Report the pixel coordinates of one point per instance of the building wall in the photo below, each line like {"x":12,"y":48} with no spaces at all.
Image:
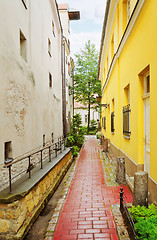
{"x":84,"y":112}
{"x":134,"y":52}
{"x":68,"y":68}
{"x":29,"y":107}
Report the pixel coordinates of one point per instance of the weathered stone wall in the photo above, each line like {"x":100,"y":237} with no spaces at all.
{"x":16,"y":217}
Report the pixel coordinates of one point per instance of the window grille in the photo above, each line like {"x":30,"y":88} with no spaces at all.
{"x":112,"y":122}
{"x":104,"y":123}
{"x":126,"y":120}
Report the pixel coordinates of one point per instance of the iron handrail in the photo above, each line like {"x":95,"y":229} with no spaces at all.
{"x":124,"y":208}
{"x":55,"y":146}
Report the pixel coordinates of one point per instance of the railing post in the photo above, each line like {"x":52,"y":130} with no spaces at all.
{"x":61,"y":144}
{"x":56,"y":149}
{"x":64,"y":142}
{"x":49,"y":154}
{"x":10,"y":188}
{"x":29,"y":166}
{"x":121,"y":197}
{"x":41,"y":160}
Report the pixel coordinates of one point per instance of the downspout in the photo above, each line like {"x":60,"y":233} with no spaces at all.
{"x":63,"y":76}
{"x":63,"y":88}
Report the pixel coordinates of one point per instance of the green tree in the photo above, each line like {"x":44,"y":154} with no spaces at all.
{"x":86,"y":84}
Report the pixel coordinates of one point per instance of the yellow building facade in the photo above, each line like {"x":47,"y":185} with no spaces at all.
{"x":127,"y":70}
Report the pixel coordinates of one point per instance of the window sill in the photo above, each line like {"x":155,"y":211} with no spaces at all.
{"x":126,"y":137}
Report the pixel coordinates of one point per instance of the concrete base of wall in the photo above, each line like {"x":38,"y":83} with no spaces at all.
{"x":131,"y":166}
{"x":131,"y":169}
{"x":20,"y":211}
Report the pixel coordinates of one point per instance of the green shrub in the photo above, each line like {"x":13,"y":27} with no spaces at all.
{"x":93,"y":125}
{"x":145,"y":220}
{"x":76,"y":135}
{"x":75,"y":151}
{"x":98,"y":135}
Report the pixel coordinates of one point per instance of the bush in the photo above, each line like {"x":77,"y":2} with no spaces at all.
{"x":98,"y":135}
{"x":75,"y":151}
{"x":76,"y":135}
{"x":93,"y":125}
{"x":145,"y":220}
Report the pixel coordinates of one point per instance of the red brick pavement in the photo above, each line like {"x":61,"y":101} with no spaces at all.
{"x":86,"y":213}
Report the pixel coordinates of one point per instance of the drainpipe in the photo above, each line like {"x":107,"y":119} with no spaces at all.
{"x":63,"y":87}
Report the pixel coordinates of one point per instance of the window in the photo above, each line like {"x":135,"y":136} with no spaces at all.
{"x":104,"y":123}
{"x":44,"y":140}
{"x":85,"y":118}
{"x":23,"y":49}
{"x":49,"y":47}
{"x":112,"y":47}
{"x":126,"y":13}
{"x":126,"y":120}
{"x":25,"y":3}
{"x":112,"y":122}
{"x":107,"y":65}
{"x":128,"y":10}
{"x":53,"y":28}
{"x":7,"y":151}
{"x":69,"y":69}
{"x":147,"y":83}
{"x":50,"y":80}
{"x":52,"y":137}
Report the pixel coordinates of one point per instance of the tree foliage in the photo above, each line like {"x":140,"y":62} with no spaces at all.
{"x":86,"y":84}
{"x":85,"y":78}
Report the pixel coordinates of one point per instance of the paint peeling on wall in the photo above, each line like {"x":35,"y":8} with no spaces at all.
{"x":17,"y":103}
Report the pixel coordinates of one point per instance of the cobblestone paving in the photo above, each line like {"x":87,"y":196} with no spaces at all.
{"x":109,"y":167}
{"x":90,"y":206}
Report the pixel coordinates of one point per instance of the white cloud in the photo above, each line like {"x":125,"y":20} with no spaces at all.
{"x":78,"y":41}
{"x":91,"y":11}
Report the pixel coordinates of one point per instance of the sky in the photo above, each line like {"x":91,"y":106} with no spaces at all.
{"x":90,"y":25}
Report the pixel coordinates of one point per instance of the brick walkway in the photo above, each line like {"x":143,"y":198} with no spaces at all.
{"x":87,"y":213}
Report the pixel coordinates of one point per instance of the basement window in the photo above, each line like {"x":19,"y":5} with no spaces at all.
{"x":23,"y":49}
{"x":50,"y":80}
{"x":49,"y":47}
{"x":7,"y":151}
{"x":53,"y":28}
{"x":44,"y":140}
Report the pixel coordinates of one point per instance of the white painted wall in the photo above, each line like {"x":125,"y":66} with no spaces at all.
{"x":93,"y":114}
{"x":66,"y":33}
{"x":28,"y":107}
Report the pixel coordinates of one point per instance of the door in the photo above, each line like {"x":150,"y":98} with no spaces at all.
{"x":147,"y":135}
{"x":146,"y":99}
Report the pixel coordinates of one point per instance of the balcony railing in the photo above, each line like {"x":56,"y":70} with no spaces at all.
{"x":47,"y":152}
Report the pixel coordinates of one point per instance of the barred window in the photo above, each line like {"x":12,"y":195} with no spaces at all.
{"x":104,"y":123}
{"x":126,"y":120}
{"x":112,"y":122}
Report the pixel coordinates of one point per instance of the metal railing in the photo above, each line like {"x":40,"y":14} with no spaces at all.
{"x":52,"y":149}
{"x":127,"y":216}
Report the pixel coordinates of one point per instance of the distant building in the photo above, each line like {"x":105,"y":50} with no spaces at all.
{"x":127,"y":69}
{"x":68,"y":65}
{"x":83,"y":110}
{"x":30,"y":78}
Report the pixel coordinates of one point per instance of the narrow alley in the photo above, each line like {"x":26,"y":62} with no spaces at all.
{"x":86,"y":213}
